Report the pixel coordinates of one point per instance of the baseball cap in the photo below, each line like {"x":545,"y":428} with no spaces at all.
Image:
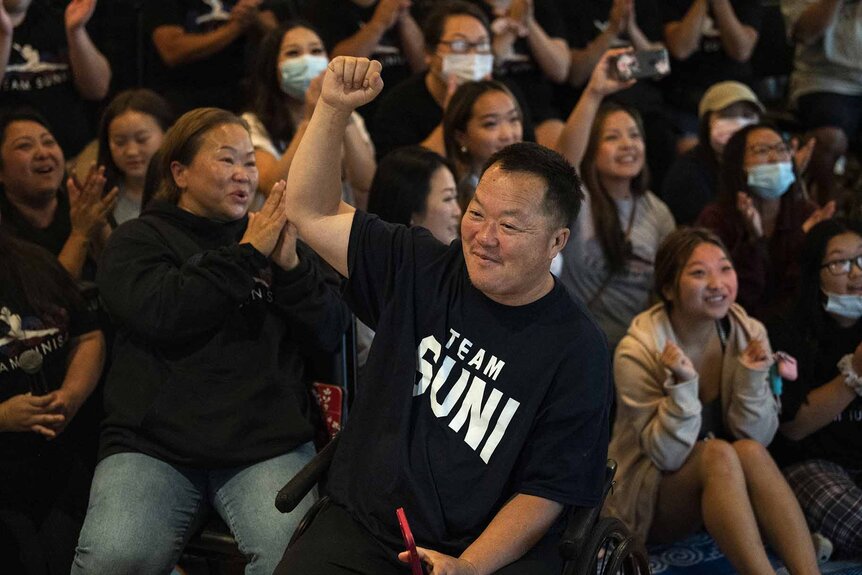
{"x":724,"y":94}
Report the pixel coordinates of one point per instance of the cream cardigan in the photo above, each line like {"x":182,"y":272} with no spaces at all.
{"x":658,"y":420}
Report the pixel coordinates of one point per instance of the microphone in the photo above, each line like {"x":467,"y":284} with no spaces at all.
{"x":31,"y":363}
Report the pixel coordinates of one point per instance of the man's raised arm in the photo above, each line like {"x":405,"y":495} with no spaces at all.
{"x":314,"y":181}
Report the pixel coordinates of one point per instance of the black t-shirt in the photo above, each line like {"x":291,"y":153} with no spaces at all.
{"x":39,"y":75}
{"x":709,"y":64}
{"x":841,"y":440}
{"x":337,"y":20}
{"x":211,"y":81}
{"x":523,"y":70}
{"x":22,"y":329}
{"x":465,"y":402}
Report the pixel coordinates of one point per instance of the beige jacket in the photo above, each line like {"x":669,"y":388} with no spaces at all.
{"x":658,"y":420}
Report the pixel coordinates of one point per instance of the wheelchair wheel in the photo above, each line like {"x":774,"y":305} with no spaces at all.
{"x":609,"y":550}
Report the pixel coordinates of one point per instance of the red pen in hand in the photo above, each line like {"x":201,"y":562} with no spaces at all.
{"x":415,"y":565}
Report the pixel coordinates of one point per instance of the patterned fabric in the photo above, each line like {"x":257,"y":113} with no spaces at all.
{"x":831,"y":499}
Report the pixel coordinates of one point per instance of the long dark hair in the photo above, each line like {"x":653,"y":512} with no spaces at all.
{"x":267,"y":100}
{"x":402,"y":183}
{"x":809,"y":302}
{"x":138,"y":100}
{"x":606,"y":218}
{"x":37,"y":276}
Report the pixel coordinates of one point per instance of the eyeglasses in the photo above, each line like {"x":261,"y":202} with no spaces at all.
{"x":762,"y":150}
{"x":842,"y":267}
{"x":461,"y":46}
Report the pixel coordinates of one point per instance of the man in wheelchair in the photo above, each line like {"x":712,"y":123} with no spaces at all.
{"x":484,"y":411}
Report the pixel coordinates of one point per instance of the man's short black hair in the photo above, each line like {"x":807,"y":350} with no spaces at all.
{"x":432,"y":26}
{"x":564,"y":191}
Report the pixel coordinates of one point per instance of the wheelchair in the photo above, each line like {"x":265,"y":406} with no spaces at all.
{"x":589,"y":546}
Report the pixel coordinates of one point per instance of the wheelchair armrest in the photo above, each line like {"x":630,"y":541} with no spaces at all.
{"x":581,"y":520}
{"x":300,"y":484}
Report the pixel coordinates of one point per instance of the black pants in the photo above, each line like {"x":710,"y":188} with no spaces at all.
{"x":336,"y":544}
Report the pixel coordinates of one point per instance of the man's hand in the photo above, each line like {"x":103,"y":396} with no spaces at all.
{"x":28,"y":412}
{"x":265,"y":227}
{"x":602,"y":82}
{"x":88,"y":209}
{"x":441,"y":564}
{"x":78,"y":13}
{"x":245,"y":12}
{"x":674,"y":359}
{"x":351,"y":82}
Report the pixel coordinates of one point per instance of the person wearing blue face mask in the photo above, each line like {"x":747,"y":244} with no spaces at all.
{"x":762,"y":214}
{"x":285,"y":85}
{"x":820,"y":441}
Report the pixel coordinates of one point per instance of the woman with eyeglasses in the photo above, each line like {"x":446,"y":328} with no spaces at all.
{"x":820,"y":440}
{"x":762,"y":214}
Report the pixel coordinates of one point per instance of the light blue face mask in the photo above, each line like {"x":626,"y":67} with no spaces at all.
{"x":845,"y":305}
{"x":770,"y":181}
{"x":297,"y":73}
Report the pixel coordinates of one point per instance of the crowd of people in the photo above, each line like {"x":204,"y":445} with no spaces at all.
{"x":547,"y":264}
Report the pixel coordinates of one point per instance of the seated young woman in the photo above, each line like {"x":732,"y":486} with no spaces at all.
{"x":695,"y":412}
{"x":820,"y":439}
{"x":207,"y":398}
{"x":608,"y":263}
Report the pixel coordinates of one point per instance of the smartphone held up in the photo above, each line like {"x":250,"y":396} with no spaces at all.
{"x":640,"y":64}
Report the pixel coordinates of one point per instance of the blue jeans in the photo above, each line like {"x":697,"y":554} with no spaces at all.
{"x":142,"y":509}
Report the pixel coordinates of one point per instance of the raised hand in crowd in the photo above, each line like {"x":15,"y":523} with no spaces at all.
{"x":265,"y":227}
{"x":621,"y":16}
{"x":78,"y":13}
{"x":802,"y":155}
{"x":245,"y":12}
{"x":822,"y":213}
{"x":755,"y":356}
{"x":389,"y":12}
{"x":89,"y":206}
{"x":675,"y":360}
{"x":350,"y":83}
{"x":5,"y":22}
{"x":750,"y":214}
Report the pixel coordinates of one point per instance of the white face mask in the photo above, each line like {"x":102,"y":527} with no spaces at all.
{"x":468,"y":67}
{"x":723,"y":128}
{"x":844,"y":305}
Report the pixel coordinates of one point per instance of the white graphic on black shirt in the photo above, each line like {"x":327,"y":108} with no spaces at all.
{"x":18,"y":335}
{"x":32,"y":61}
{"x":217,"y":13}
{"x":29,"y":69}
{"x":469,"y":387}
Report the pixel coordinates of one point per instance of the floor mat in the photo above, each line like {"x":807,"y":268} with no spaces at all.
{"x":700,"y":555}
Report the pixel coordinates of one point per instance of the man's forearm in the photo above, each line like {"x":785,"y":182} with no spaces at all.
{"x":584,"y":60}
{"x":361,"y":44}
{"x":90,"y":69}
{"x":683,"y":37}
{"x":177,"y":47}
{"x":516,"y":528}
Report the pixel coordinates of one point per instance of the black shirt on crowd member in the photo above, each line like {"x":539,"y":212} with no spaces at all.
{"x":337,"y":20}
{"x":522,"y":69}
{"x":409,"y":113}
{"x":209,"y":359}
{"x":470,"y":401}
{"x":708,"y":64}
{"x":584,"y":22}
{"x":210,"y":81}
{"x":39,"y":75}
{"x":817,"y":355}
{"x":690,"y":184}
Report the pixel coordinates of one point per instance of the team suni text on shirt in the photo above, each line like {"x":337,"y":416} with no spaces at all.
{"x":435,"y":366}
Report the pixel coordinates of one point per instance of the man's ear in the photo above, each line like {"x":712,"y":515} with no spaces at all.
{"x":560,"y":239}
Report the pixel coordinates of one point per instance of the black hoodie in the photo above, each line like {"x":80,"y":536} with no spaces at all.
{"x":208,"y":367}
